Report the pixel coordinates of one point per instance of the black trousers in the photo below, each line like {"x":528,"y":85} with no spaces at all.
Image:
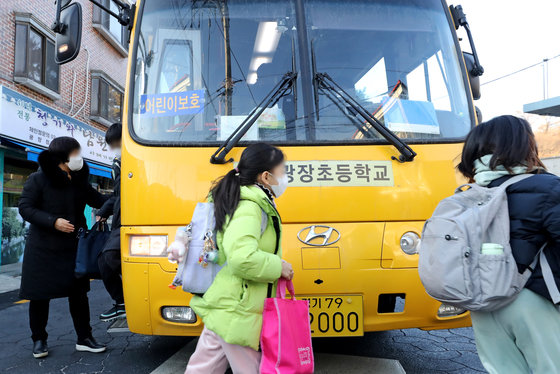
{"x":79,"y":310}
{"x":110,"y":268}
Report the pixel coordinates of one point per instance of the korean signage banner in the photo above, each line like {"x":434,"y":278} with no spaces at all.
{"x":32,"y":122}
{"x":343,"y":173}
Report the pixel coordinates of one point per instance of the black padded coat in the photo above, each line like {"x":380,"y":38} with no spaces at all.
{"x":50,"y":255}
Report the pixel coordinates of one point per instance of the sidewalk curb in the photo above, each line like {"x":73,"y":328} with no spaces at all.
{"x":9,"y":283}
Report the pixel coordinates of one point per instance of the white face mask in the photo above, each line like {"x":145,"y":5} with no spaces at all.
{"x":278,"y":189}
{"x":75,"y":163}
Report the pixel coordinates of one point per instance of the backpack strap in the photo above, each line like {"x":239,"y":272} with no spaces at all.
{"x":264,"y":221}
{"x":549,"y":278}
{"x":506,"y":184}
{"x":514,"y":179}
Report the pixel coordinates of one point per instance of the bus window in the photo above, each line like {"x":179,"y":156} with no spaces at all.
{"x":437,"y":83}
{"x":212,"y":63}
{"x":417,"y":88}
{"x":373,"y":85}
{"x":176,"y":69}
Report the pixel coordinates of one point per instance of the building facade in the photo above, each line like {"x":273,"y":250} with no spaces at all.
{"x":40,"y":100}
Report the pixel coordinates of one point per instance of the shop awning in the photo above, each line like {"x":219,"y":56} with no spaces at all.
{"x":32,"y":152}
{"x":102,"y":171}
{"x":33,"y":155}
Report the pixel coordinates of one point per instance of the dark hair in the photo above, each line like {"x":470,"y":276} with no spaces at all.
{"x":255,"y":159}
{"x":60,"y":148}
{"x":114,"y":133}
{"x":508,"y":139}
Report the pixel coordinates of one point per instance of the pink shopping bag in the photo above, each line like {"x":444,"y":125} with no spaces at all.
{"x":286,"y":334}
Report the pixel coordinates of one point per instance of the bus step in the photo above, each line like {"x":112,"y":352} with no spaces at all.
{"x":118,"y":325}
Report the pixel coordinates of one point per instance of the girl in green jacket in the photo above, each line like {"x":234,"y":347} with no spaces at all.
{"x":232,"y":307}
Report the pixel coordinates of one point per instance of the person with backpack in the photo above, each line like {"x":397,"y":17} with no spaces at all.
{"x":232,"y":307}
{"x":110,"y":258}
{"x":494,"y":249}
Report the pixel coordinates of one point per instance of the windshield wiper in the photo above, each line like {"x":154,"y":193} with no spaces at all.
{"x":349,"y":112}
{"x":326,"y":83}
{"x":281,"y":88}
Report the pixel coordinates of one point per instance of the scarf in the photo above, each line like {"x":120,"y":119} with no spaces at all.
{"x":484,"y":175}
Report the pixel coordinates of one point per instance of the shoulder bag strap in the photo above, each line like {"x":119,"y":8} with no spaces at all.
{"x":276,"y":223}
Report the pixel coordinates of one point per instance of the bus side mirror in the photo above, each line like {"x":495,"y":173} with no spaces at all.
{"x":474,"y":79}
{"x":68,"y":32}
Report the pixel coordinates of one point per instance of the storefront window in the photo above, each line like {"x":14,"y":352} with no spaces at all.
{"x":14,"y":228}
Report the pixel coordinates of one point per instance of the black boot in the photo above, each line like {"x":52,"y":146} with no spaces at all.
{"x":90,"y":345}
{"x":115,"y":312}
{"x":40,"y":349}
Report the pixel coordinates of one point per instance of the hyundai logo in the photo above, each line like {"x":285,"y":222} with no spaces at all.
{"x":328,"y":234}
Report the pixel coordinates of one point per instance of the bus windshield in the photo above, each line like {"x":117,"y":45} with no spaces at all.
{"x":203,"y":66}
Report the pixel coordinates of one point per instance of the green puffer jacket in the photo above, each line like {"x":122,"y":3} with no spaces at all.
{"x":233,"y":305}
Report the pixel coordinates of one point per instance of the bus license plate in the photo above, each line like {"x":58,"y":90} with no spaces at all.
{"x":340,"y":315}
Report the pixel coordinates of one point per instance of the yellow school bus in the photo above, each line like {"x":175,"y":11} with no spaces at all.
{"x":369,"y":99}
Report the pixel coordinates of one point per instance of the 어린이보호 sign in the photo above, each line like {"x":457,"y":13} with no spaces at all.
{"x":29,"y":121}
{"x":335,"y":173}
{"x":172,"y":103}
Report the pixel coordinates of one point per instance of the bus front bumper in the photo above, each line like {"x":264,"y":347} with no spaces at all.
{"x":147,"y":293}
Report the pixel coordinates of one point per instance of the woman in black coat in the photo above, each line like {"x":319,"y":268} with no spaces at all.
{"x":53,"y":201}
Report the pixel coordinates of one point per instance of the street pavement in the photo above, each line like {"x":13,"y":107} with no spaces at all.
{"x":419,"y":352}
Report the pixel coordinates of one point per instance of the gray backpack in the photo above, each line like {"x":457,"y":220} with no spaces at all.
{"x":461,"y":258}
{"x":194,"y":274}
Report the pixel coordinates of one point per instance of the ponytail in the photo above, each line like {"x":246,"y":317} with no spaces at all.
{"x":226,"y":195}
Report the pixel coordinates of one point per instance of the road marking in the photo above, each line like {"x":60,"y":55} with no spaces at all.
{"x":178,"y":362}
{"x":21,"y":301}
{"x":324,"y":363}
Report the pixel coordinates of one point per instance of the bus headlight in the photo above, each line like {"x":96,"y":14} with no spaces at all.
{"x":449,"y":311}
{"x":409,"y":243}
{"x":182,"y":314}
{"x":148,"y":245}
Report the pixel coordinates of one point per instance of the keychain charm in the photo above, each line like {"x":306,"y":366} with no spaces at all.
{"x":209,"y":253}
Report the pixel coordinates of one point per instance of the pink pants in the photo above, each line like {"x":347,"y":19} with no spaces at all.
{"x":212,"y":355}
